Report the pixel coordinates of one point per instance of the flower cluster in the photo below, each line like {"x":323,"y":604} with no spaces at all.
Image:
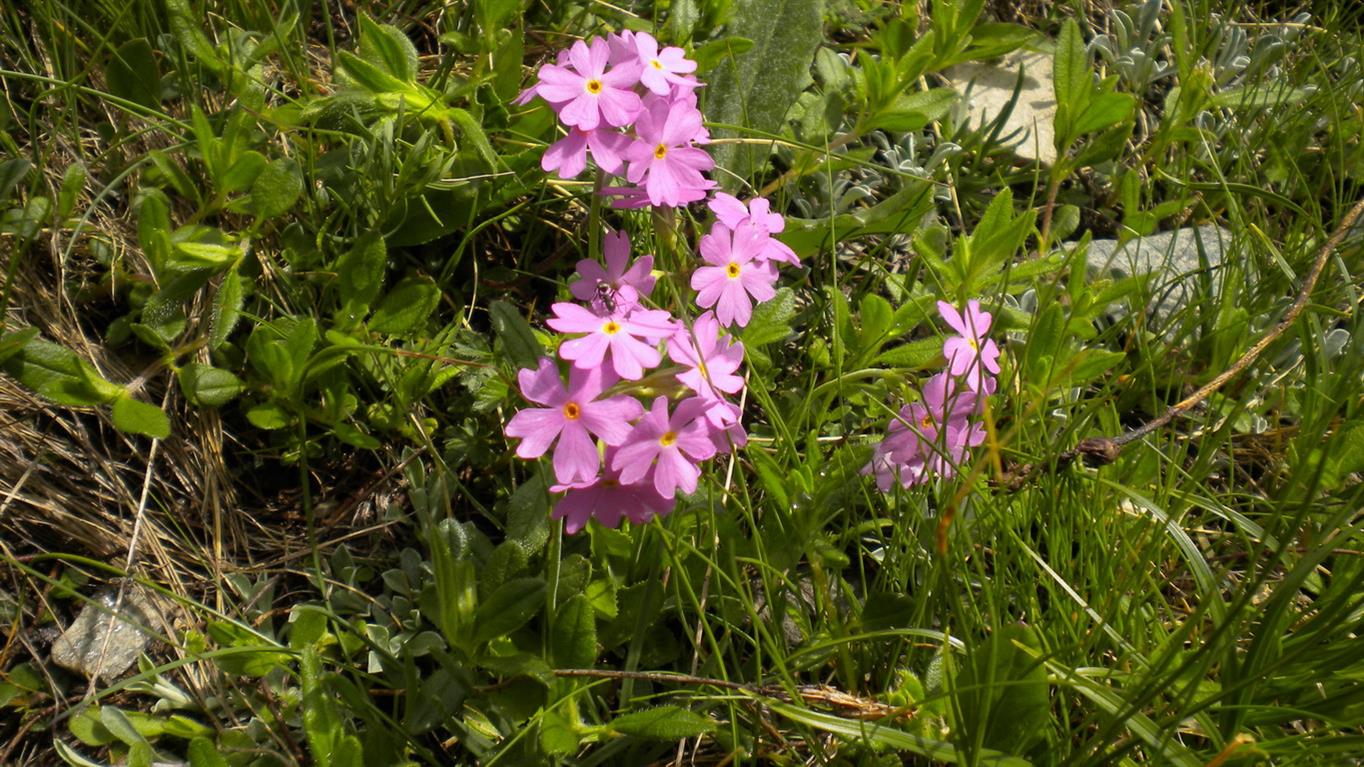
{"x":632,"y":107}
{"x":649,"y":396}
{"x":931,"y":437}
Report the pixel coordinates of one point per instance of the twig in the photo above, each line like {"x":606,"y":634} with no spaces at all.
{"x":852,"y":705}
{"x":1100,"y":451}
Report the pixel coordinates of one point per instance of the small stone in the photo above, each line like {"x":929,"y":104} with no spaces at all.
{"x":1175,"y":258}
{"x":988,"y":89}
{"x":82,"y":647}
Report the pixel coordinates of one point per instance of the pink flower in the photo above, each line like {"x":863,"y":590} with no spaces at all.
{"x":661,"y":68}
{"x":622,"y":335}
{"x":726,"y":424}
{"x":572,"y":416}
{"x":711,"y":361}
{"x":928,"y":438}
{"x":733,"y":275}
{"x":734,"y":214}
{"x":731,"y":212}
{"x":568,"y":155}
{"x":607,"y":500}
{"x":676,"y":443}
{"x":584,"y":93}
{"x":968,"y":354}
{"x":663,"y":157}
{"x":615,"y":285}
{"x":622,"y":46}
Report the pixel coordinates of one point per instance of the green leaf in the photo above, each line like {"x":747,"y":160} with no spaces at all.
{"x":515,"y":335}
{"x":138,"y":417}
{"x":558,"y":736}
{"x":914,"y":111}
{"x":277,"y":188}
{"x":771,"y":320}
{"x":12,"y":343}
{"x":663,"y":723}
{"x":573,"y":642}
{"x":118,"y":724}
{"x":388,"y":48}
{"x":406,"y":307}
{"x":758,"y":88}
{"x":711,"y":54}
{"x":361,"y":269}
{"x":508,"y":608}
{"x":227,"y":309}
{"x":12,"y":171}
{"x":368,"y":76}
{"x":57,"y":374}
{"x":683,"y":16}
{"x":1104,"y":111}
{"x":875,"y":315}
{"x":473,"y":133}
{"x":1089,"y":364}
{"x":86,"y":725}
{"x":184,"y":24}
{"x":1070,"y":79}
{"x":207,"y":385}
{"x":914,"y":355}
{"x":250,"y":655}
{"x":202,"y":753}
{"x":73,"y":181}
{"x":1003,"y":690}
{"x":200,"y":247}
{"x":268,"y":416}
{"x":243,"y":172}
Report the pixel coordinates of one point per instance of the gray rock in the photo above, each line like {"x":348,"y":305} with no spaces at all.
{"x":99,"y":643}
{"x":1175,"y":260}
{"x":989,"y":87}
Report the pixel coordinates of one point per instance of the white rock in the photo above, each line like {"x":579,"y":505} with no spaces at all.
{"x":83,"y":648}
{"x":1173,"y":258}
{"x":987,"y":89}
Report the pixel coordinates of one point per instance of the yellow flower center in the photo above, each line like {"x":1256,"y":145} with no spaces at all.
{"x":593,"y":87}
{"x":732,"y":270}
{"x":926,"y":421}
{"x":572,"y":411}
{"x":972,"y":341}
{"x":668,"y":438}
{"x":656,"y":64}
{"x":660,"y":152}
{"x":610,"y":328}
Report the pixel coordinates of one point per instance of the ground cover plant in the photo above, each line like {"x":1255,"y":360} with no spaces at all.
{"x":700,"y":381}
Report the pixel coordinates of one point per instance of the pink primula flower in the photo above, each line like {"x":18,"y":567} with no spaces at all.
{"x":726,"y":424}
{"x":568,"y":155}
{"x":608,"y":500}
{"x":734,"y":278}
{"x":573,"y":415}
{"x":663,"y":158}
{"x":969,"y":354}
{"x":711,"y":361}
{"x":629,"y":337}
{"x":623,"y":287}
{"x":676,"y":443}
{"x":660,"y":69}
{"x":585,"y":93}
{"x":734,"y":214}
{"x":928,"y":438}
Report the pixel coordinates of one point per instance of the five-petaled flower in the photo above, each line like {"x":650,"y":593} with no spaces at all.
{"x":734,"y":278}
{"x":969,"y":354}
{"x":669,"y":446}
{"x":573,"y":415}
{"x":620,"y":284}
{"x":585,"y":93}
{"x":629,"y":336}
